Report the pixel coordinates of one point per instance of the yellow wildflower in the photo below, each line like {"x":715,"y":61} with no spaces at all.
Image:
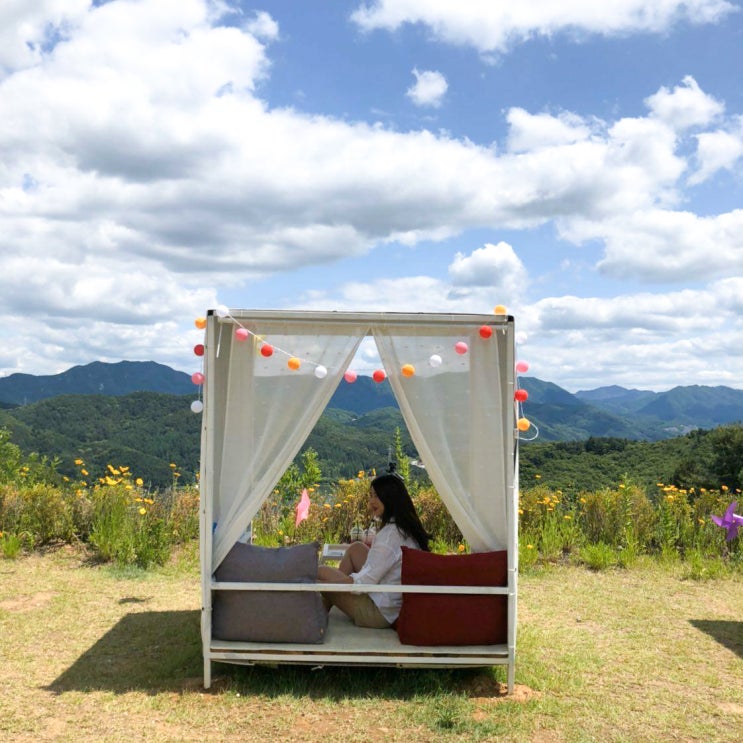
{"x":326,"y":505}
{"x":460,"y":548}
{"x":567,"y":517}
{"x":530,"y":546}
{"x":724,"y":488}
{"x":339,"y":505}
{"x":142,"y":511}
{"x":172,"y":466}
{"x":84,"y":472}
{"x":139,"y":481}
{"x":78,"y":462}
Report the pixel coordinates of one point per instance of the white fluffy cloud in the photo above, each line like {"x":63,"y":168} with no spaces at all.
{"x":497,"y":26}
{"x":718,"y":150}
{"x":429,"y":88}
{"x":494,"y":266}
{"x":685,"y":106}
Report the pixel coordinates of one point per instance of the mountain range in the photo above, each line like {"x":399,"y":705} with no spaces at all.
{"x":557,"y":415}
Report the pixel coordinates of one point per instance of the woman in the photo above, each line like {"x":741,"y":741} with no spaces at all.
{"x":390,"y":503}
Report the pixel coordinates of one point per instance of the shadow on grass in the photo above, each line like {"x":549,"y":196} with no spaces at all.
{"x":144,"y":651}
{"x":156,"y":651}
{"x":726,"y":632}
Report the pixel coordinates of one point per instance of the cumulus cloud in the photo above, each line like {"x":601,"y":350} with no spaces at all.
{"x":495,"y":266}
{"x":666,"y":246}
{"x":429,"y":88}
{"x":497,"y":27}
{"x":27,"y":27}
{"x":685,"y":106}
{"x":716,"y":151}
{"x":529,"y":131}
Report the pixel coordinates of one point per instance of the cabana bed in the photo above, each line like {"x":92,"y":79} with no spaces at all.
{"x":453,"y":377}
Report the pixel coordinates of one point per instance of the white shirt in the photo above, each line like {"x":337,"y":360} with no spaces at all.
{"x":384,"y":565}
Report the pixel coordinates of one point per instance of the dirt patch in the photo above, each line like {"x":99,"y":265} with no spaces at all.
{"x":484,"y":689}
{"x":731,"y":708}
{"x":27,"y":603}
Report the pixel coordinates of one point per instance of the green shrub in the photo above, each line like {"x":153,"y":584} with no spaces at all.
{"x":599,"y":556}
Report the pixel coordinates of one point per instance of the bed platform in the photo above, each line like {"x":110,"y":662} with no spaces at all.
{"x":345,"y":644}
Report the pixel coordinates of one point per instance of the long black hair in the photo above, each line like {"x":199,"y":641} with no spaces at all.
{"x":398,"y":507}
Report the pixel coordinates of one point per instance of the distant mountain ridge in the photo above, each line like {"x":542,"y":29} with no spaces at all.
{"x":96,"y":378}
{"x":559,"y":415}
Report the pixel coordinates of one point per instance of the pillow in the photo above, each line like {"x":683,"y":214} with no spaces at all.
{"x":269,"y":616}
{"x":448,"y":619}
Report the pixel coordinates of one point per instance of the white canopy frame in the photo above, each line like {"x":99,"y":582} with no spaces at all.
{"x":458,"y":405}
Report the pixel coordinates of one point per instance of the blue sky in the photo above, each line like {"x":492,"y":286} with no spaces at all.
{"x":580,"y":164}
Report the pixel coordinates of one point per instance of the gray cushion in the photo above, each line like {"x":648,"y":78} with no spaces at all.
{"x":269,"y":616}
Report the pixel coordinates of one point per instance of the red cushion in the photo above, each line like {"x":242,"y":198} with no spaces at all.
{"x":446,"y":619}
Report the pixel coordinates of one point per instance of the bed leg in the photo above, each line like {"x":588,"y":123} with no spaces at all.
{"x":207,"y":672}
{"x":511,"y":677}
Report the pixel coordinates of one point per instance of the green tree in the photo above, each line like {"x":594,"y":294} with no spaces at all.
{"x":727,"y":461}
{"x":401,"y":458}
{"x":10,"y":457}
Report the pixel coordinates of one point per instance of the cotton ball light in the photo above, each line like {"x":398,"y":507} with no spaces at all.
{"x":435,"y":360}
{"x":221,"y":310}
{"x":379,"y":375}
{"x":242,"y":334}
{"x":198,"y":349}
{"x":408,"y":370}
{"x":461,"y":348}
{"x":197,"y":378}
{"x":321,"y":372}
{"x":486,"y":331}
{"x":293,"y":363}
{"x":522,"y":367}
{"x":350,"y":376}
{"x":500,"y":309}
{"x":521,"y":395}
{"x":523,"y":424}
{"x":200,"y":322}
{"x":197,"y":406}
{"x":266,"y":350}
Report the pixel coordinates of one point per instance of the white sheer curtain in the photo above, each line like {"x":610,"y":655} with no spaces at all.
{"x":268,"y":411}
{"x":455,"y":417}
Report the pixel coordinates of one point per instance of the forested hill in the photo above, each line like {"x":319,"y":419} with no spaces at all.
{"x":149,"y":431}
{"x":558,"y":414}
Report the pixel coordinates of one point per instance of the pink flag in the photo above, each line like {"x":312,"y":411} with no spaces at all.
{"x":303,"y":508}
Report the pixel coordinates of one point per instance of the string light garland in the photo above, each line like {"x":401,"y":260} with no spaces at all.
{"x":294,"y":363}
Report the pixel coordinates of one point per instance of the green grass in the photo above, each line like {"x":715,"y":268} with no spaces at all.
{"x":92,"y":652}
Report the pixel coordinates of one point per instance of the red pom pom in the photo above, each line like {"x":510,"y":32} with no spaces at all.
{"x":379,"y":375}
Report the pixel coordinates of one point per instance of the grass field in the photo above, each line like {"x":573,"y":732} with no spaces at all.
{"x":93,"y":654}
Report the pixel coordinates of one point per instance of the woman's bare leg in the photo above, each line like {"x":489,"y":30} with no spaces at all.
{"x":353,"y":560}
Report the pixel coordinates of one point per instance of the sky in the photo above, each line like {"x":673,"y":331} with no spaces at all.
{"x":580,"y":163}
